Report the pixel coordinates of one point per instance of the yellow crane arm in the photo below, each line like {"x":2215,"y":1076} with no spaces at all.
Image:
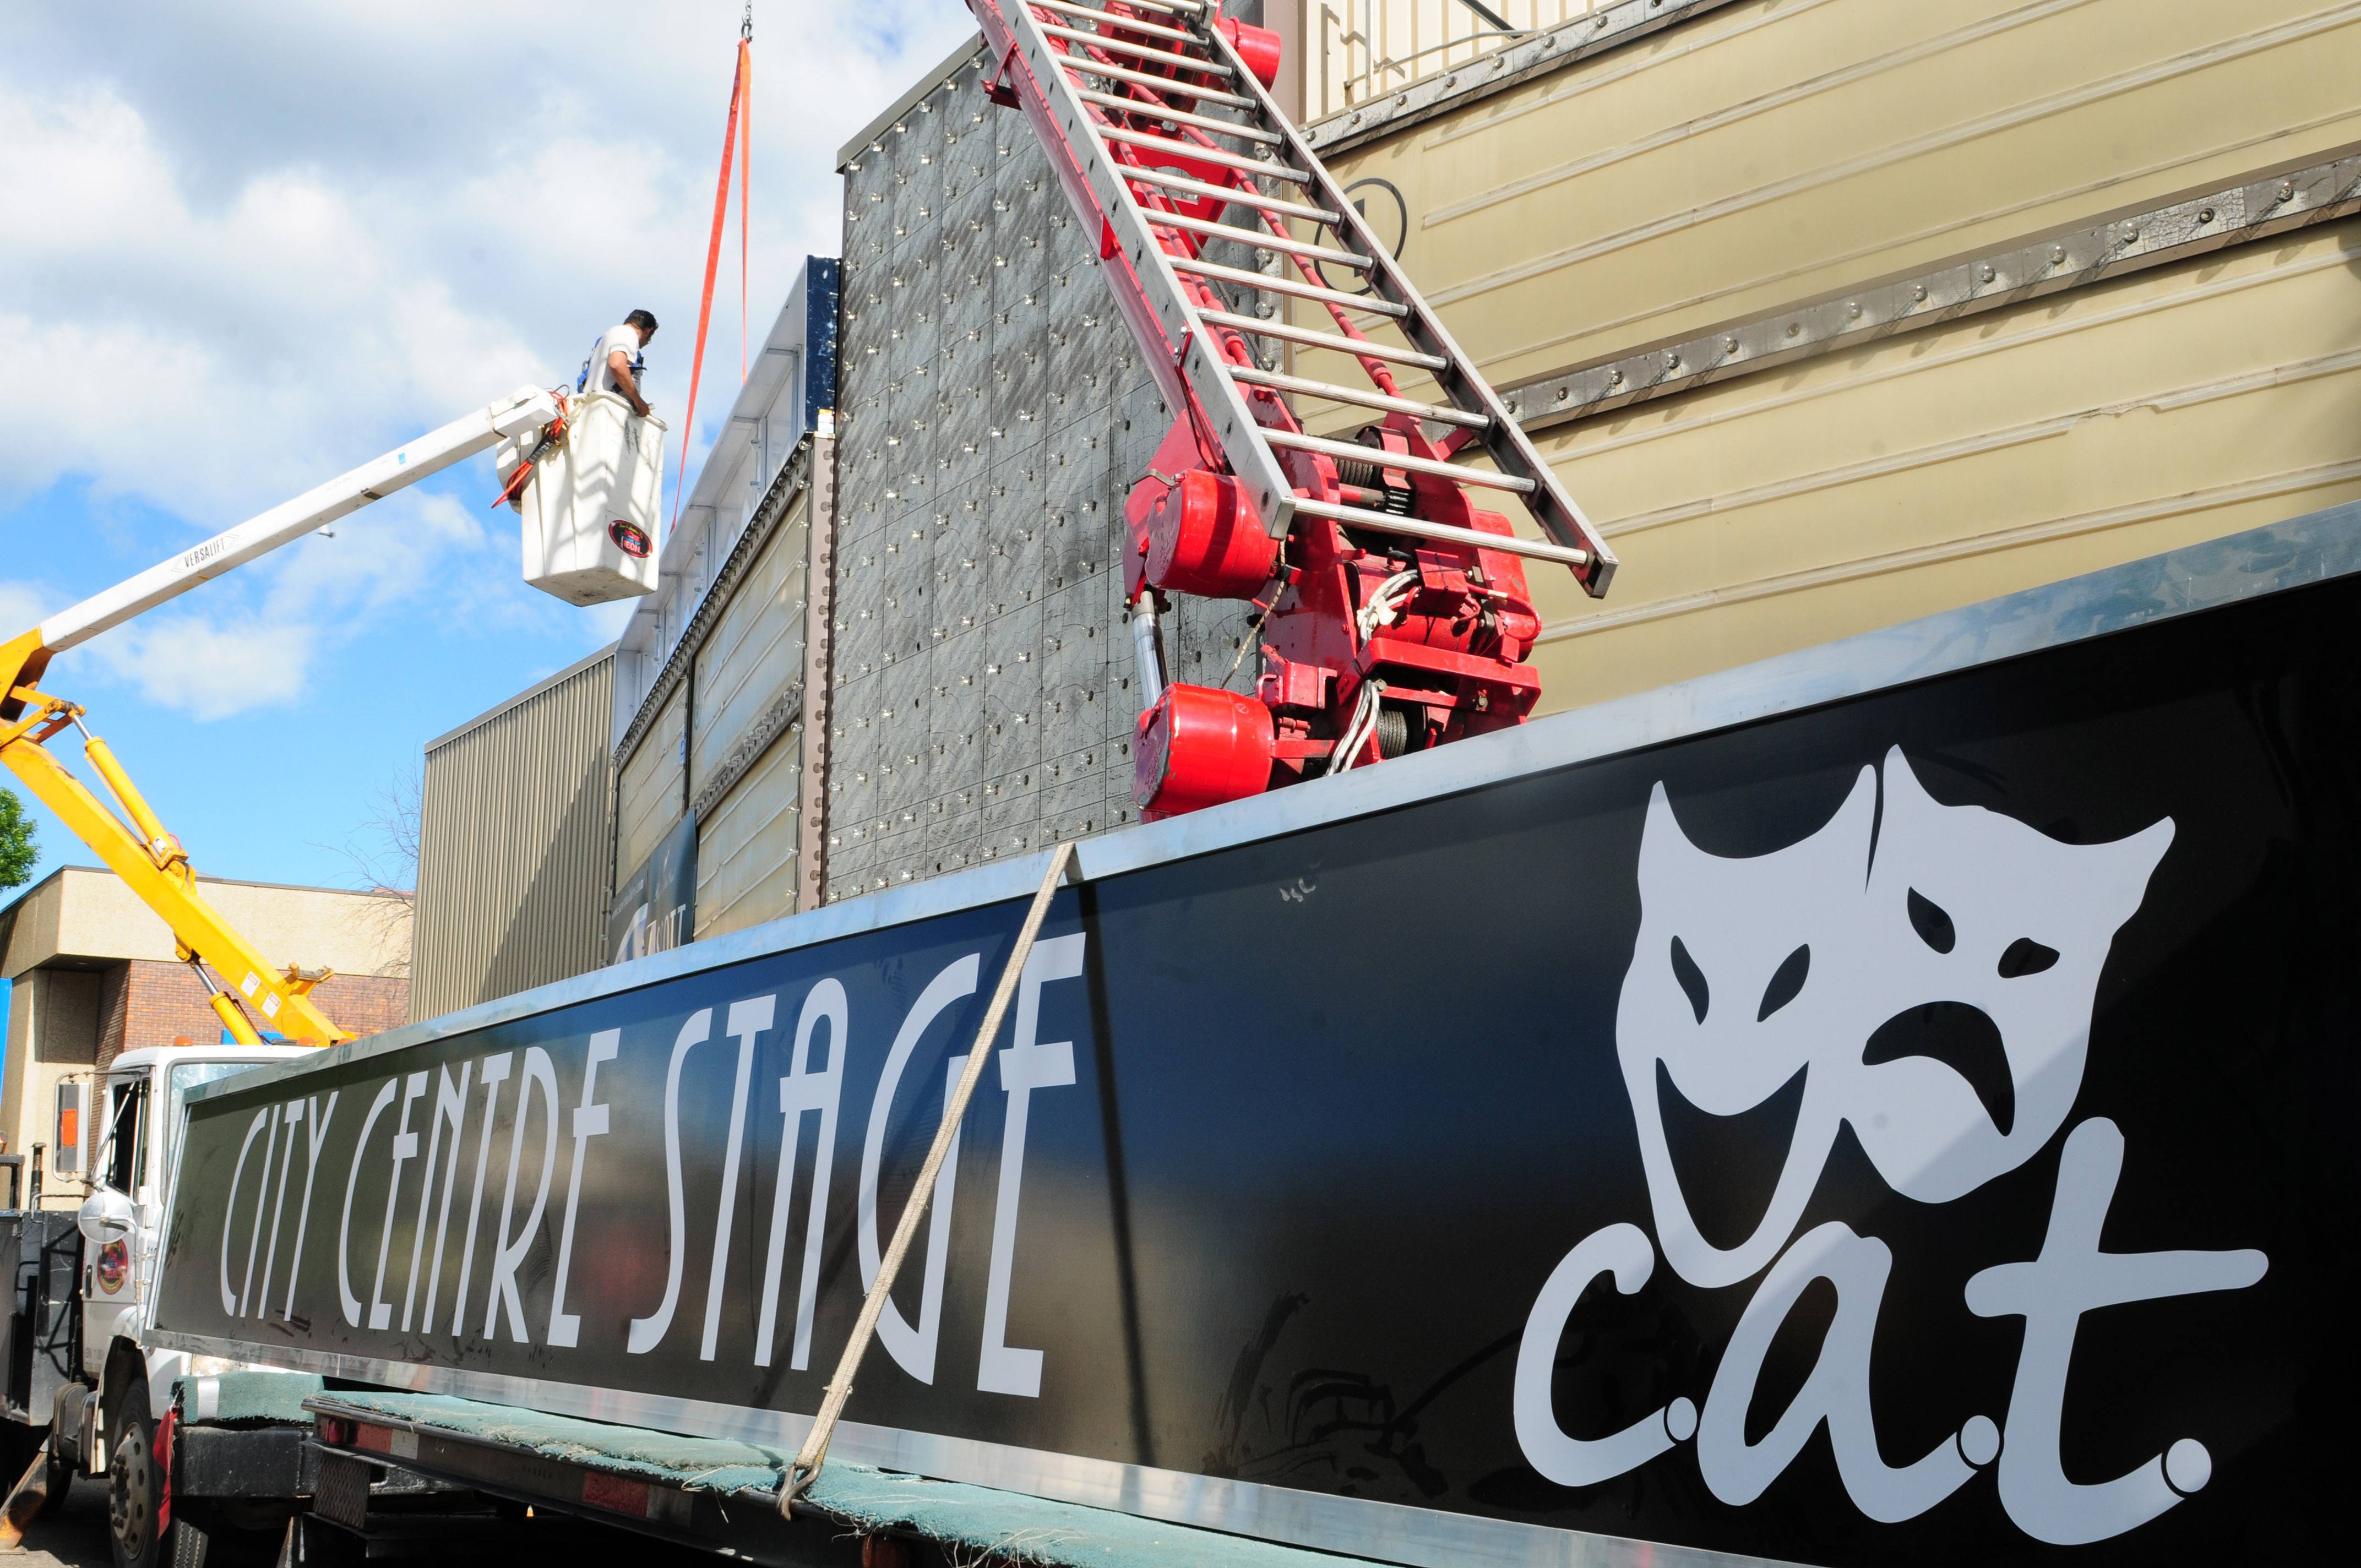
{"x":152,"y":865}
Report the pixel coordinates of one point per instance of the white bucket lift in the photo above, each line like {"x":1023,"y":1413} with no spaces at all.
{"x":590,"y":509}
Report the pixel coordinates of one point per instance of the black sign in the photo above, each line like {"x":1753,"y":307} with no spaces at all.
{"x":655,"y":908}
{"x":1916,"y":1129}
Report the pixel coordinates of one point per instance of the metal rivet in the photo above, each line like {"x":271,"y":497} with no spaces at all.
{"x":1854,"y":310}
{"x":1563,"y":394}
{"x":1794,"y":329}
{"x":1985,"y":272}
{"x":2056,"y":254}
{"x":2131,"y":233}
{"x":1919,"y":293}
{"x":2286,"y":190}
{"x":2206,"y":216}
{"x":1671,"y":362}
{"x":1615,"y":378}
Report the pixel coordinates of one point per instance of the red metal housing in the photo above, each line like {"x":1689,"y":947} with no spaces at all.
{"x":1200,"y":746}
{"x":1202,"y":536}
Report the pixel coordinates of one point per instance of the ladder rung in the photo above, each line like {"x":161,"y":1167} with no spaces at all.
{"x":1439,"y":414}
{"x":1204,"y":154}
{"x":1083,"y":66}
{"x":1170,"y":8}
{"x":1140,"y":51}
{"x":1153,"y":29}
{"x":1177,"y":117}
{"x":1261,"y":239}
{"x":1408,"y":464}
{"x":1337,"y":341}
{"x":1273,"y":283}
{"x":1448,"y":533}
{"x":1235,"y":194}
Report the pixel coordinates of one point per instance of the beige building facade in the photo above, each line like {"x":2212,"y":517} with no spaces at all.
{"x":92,"y":974}
{"x":1837,"y":312}
{"x":514,"y":828}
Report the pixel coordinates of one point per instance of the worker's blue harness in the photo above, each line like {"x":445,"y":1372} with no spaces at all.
{"x":582,"y":381}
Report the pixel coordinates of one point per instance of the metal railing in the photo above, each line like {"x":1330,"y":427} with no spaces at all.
{"x":1363,"y":49}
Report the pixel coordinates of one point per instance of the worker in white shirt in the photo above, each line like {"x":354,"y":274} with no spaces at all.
{"x":617,"y":362}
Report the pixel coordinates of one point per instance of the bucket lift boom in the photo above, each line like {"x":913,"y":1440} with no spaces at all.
{"x":149,"y":860}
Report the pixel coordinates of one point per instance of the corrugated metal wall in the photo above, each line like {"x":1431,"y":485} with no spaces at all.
{"x":1735,"y":167}
{"x":513,"y":845}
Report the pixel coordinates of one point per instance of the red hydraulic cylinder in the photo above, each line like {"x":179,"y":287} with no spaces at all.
{"x":1205,"y":537}
{"x":1200,"y":746}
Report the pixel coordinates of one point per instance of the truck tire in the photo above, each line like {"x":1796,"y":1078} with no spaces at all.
{"x":135,"y":1494}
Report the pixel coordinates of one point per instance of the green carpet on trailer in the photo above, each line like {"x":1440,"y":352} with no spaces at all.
{"x":1007,"y":1524}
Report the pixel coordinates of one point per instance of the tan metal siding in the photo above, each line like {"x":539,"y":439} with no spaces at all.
{"x":1771,"y":152}
{"x":648,"y":798}
{"x":1767,"y":154}
{"x":514,"y":842}
{"x":754,"y":655}
{"x":1936,"y":469}
{"x":746,"y":851}
{"x":748,"y":674}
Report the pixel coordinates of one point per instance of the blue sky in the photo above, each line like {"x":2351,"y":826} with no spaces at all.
{"x":248,"y":251}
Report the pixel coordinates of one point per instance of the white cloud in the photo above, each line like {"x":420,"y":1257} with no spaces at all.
{"x":22,"y":605}
{"x":208,"y":668}
{"x":248,"y":249}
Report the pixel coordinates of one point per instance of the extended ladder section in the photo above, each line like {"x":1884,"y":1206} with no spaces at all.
{"x":1149,"y":107}
{"x":1395,"y":613}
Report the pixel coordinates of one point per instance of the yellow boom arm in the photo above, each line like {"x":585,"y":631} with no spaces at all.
{"x":152,"y":865}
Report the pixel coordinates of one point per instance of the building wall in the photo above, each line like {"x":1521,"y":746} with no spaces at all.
{"x":649,"y":787}
{"x":84,"y":912}
{"x":514,"y":834}
{"x":149,"y":1004}
{"x":1743,"y":164}
{"x":93,"y":974}
{"x":721,"y":732}
{"x":746,"y":760}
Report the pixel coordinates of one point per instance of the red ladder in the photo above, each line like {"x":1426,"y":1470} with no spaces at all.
{"x":1396,"y":615}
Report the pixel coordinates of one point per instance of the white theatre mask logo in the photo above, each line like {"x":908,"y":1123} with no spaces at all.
{"x":1925,"y":974}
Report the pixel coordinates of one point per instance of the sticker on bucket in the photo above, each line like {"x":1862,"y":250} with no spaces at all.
{"x":631,"y":539}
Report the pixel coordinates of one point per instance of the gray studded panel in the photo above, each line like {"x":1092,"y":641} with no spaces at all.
{"x":994,"y":412}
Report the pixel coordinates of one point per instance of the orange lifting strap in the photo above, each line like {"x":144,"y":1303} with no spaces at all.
{"x":738,"y":147}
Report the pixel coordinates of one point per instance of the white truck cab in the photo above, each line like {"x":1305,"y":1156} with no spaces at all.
{"x":146,"y":1096}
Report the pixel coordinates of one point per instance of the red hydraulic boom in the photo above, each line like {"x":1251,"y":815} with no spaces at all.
{"x":1395,"y":613}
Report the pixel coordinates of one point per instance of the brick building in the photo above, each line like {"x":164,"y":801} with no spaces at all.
{"x":89,"y":974}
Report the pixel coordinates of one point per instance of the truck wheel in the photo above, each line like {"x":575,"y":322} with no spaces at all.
{"x":135,"y":1494}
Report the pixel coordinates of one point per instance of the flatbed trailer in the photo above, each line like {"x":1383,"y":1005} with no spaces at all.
{"x":717,"y":1494}
{"x":1817,"y":1018}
